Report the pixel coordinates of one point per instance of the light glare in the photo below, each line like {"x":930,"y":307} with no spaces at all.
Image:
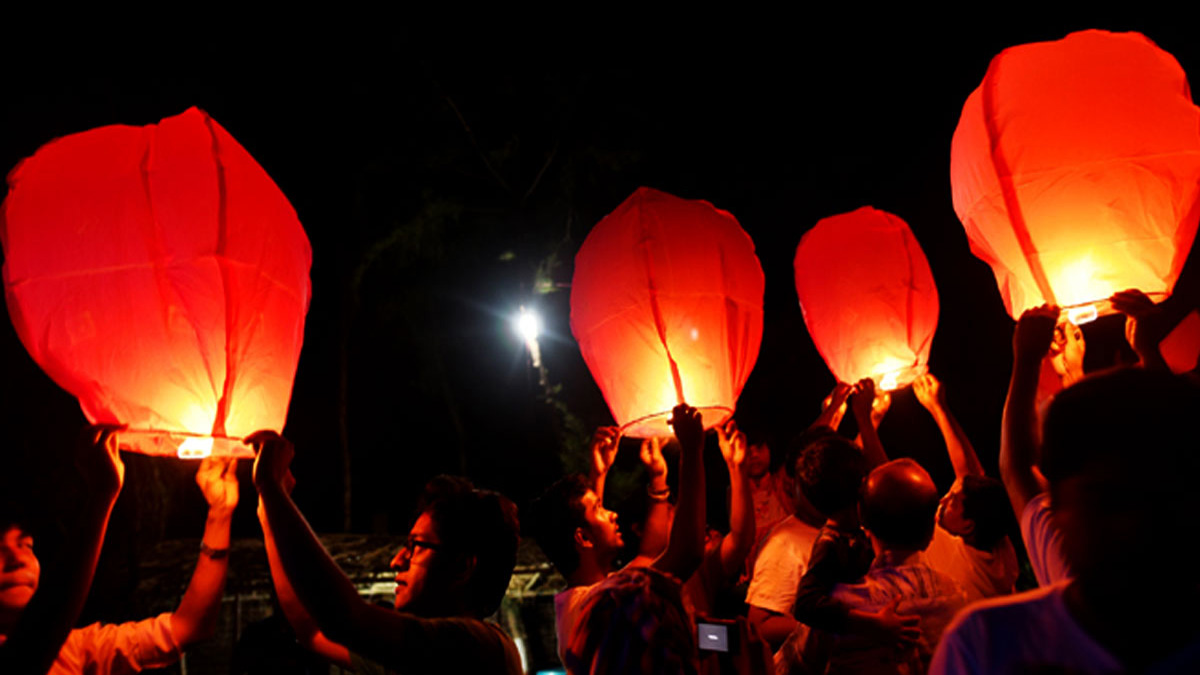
{"x":528,"y":325}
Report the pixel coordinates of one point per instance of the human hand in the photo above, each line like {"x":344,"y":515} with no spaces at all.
{"x":837,"y":398}
{"x":1066,"y":352}
{"x":98,"y":459}
{"x":688,"y":427}
{"x":652,"y":457}
{"x":273,"y":461}
{"x":733,"y":444}
{"x":1034,"y":333}
{"x":605,"y":442}
{"x":863,"y":399}
{"x":890,"y":625}
{"x":1146,"y":324}
{"x":929,"y":392}
{"x":217,"y":478}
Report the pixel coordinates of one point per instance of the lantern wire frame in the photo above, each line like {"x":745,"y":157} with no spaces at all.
{"x":658,"y":425}
{"x":183,"y":445}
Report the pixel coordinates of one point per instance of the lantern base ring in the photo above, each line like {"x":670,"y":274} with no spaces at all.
{"x":655,"y":425}
{"x":1086,"y":312}
{"x":182,"y":444}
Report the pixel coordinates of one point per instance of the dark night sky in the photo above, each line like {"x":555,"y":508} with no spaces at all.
{"x":781,"y":123}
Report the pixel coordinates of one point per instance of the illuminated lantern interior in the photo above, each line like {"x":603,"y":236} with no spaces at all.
{"x":1074,"y":170}
{"x":666,"y":304}
{"x":160,"y":276}
{"x":868,"y":297}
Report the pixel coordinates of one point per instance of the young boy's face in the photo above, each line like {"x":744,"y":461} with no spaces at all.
{"x":19,"y":570}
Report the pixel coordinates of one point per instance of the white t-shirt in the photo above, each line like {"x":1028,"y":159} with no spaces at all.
{"x":114,"y":649}
{"x":982,"y":574}
{"x":1043,"y":542}
{"x":781,"y":564}
{"x":567,"y":604}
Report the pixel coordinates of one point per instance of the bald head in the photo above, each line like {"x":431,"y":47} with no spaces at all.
{"x":899,"y":504}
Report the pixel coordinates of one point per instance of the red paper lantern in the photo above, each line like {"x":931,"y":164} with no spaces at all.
{"x":666,"y":304}
{"x":159,"y":275}
{"x":868,"y":297}
{"x":1074,"y":170}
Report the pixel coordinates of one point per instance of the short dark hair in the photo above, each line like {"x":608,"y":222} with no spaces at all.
{"x":478,"y":523}
{"x":900,"y":518}
{"x":799,"y":442}
{"x":553,"y":518}
{"x":634,"y":621}
{"x":830,"y":471}
{"x":985,"y":503}
{"x":1132,"y":415}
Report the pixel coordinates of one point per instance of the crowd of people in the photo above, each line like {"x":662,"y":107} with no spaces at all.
{"x":835,"y":558}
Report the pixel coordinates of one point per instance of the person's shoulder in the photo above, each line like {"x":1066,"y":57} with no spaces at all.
{"x":792,"y":528}
{"x":1009,"y":610}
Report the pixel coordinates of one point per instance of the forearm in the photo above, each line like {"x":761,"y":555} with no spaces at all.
{"x":958,"y":446}
{"x":598,"y":479}
{"x":306,"y":630}
{"x":1018,"y":436}
{"x":196,"y":617}
{"x":736,"y":545}
{"x":319,"y":584}
{"x":685,"y":543}
{"x":872,"y":447}
{"x":772,"y":626}
{"x":656,"y":528}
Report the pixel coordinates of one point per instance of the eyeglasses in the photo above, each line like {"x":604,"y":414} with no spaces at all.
{"x":412,"y":545}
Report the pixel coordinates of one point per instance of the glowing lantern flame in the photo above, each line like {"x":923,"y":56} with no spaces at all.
{"x":666,"y":304}
{"x":868,"y":297}
{"x":1075,"y":170}
{"x":195,"y":447}
{"x":160,"y":276}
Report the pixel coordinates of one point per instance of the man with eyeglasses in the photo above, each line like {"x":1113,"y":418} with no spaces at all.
{"x":451,"y":573}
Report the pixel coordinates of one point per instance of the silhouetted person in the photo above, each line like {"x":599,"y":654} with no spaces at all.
{"x":1119,"y":454}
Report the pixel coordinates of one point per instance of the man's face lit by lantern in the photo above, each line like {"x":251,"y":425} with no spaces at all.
{"x":950,"y":514}
{"x":19,"y":572}
{"x":758,"y":460}
{"x":603,"y":531}
{"x":417,"y":565}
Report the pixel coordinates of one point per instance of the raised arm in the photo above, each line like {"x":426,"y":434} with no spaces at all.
{"x":962,"y":454}
{"x":656,"y":527}
{"x":307,"y":632}
{"x":1019,"y":429}
{"x":736,"y":545}
{"x":323,"y":590}
{"x":834,"y":407}
{"x":1146,"y":324}
{"x":196,"y":617}
{"x":685,"y":546}
{"x":863,"y":403}
{"x":39,"y":633}
{"x":605,"y":442}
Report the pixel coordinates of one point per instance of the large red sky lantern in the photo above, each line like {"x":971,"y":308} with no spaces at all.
{"x":868,"y":297}
{"x":1074,"y":170}
{"x":159,"y":275}
{"x":666,"y":304}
